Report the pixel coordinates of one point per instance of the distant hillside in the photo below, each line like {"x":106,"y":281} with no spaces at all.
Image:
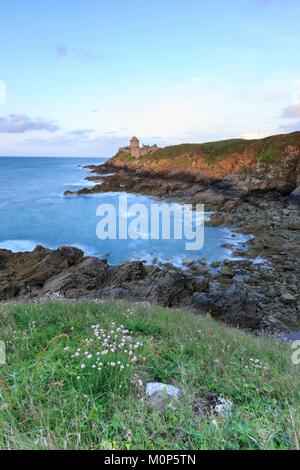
{"x":273,"y":161}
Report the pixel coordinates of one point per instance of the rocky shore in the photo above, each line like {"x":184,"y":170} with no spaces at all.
{"x":257,"y":289}
{"x":259,"y":199}
{"x":255,"y":296}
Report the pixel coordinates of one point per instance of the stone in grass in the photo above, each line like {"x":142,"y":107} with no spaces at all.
{"x":162,"y":395}
{"x":223,"y":407}
{"x":214,"y":405}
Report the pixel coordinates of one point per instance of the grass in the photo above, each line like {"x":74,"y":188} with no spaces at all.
{"x":213,"y":151}
{"x":47,"y":401}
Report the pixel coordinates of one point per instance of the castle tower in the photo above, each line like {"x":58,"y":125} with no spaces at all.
{"x":135,"y":147}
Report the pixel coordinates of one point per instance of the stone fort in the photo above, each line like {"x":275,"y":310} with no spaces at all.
{"x":136,"y":151}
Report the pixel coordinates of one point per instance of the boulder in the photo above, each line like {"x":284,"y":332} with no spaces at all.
{"x":168,"y":290}
{"x":88,"y":275}
{"x":128,"y":272}
{"x":238,"y":307}
{"x":288,"y":298}
{"x":162,"y":395}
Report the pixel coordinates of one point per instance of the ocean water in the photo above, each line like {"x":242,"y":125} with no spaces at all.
{"x":33,"y":210}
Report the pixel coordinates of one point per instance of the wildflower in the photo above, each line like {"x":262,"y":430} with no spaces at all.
{"x":82,"y":366}
{"x":89,"y":356}
{"x":104,"y":353}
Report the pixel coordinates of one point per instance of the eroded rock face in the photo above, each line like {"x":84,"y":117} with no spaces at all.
{"x":22,"y":273}
{"x":239,"y":307}
{"x":68,"y":272}
{"x":87,"y":275}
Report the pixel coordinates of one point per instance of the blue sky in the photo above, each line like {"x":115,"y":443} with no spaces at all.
{"x":82,"y":77}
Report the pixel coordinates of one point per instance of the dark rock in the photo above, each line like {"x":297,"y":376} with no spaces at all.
{"x":288,"y":298}
{"x":238,"y":307}
{"x":88,"y":275}
{"x":126,"y":273}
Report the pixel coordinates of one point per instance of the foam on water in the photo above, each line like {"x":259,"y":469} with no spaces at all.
{"x":18,"y":246}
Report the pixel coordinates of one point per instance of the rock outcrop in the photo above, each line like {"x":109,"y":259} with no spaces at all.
{"x":272,"y":163}
{"x":68,"y":272}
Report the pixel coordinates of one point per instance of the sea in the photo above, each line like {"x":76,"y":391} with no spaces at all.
{"x":34,"y":210}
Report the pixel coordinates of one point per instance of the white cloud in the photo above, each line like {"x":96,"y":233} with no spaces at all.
{"x":21,"y":123}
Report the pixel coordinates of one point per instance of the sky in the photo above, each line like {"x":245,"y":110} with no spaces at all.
{"x":80,"y":78}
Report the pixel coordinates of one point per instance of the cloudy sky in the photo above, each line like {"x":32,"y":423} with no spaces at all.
{"x":79,"y":78}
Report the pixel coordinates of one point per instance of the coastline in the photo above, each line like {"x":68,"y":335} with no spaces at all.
{"x":270,"y":290}
{"x":253,"y":296}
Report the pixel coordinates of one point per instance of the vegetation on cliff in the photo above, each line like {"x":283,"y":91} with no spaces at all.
{"x":267,"y":149}
{"x":56,"y":393}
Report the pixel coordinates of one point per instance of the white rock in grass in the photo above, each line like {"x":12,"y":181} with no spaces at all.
{"x":161,"y":395}
{"x":224,"y":407}
{"x":164,"y":389}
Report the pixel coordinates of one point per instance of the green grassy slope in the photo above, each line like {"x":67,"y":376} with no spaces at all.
{"x":267,"y":150}
{"x":48,"y":401}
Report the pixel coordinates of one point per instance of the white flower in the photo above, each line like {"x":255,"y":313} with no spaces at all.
{"x":82,"y":366}
{"x":67,"y":348}
{"x":89,"y":356}
{"x":104,"y":353}
{"x":78,"y":377}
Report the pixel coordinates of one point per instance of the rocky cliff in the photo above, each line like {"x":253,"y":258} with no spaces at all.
{"x":270,"y":163}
